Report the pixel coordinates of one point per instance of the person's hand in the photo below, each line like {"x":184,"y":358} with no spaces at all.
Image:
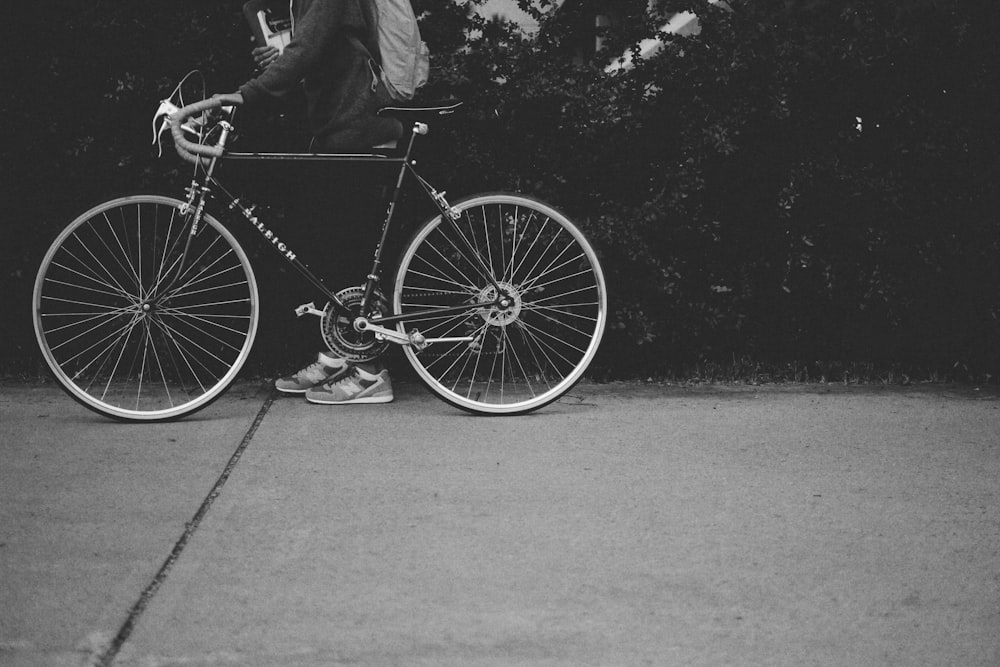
{"x":229,"y":99}
{"x":263,"y":56}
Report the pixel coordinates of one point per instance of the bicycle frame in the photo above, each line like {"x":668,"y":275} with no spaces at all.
{"x":205,"y":183}
{"x":146,"y":307}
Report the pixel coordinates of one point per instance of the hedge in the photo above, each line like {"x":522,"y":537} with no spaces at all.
{"x":802,"y":185}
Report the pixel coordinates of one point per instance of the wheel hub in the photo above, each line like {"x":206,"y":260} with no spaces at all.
{"x":506,"y":306}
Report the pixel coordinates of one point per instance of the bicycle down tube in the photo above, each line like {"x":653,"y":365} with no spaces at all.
{"x":406,"y":165}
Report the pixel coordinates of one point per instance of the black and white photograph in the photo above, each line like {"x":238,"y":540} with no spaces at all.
{"x":474,"y":333}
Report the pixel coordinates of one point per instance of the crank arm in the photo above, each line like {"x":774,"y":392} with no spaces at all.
{"x":391,"y":335}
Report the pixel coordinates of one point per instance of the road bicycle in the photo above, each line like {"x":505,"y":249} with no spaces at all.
{"x":146,"y":307}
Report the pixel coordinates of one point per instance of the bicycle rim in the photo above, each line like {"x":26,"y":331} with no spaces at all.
{"x":126,"y":328}
{"x":520,"y":357}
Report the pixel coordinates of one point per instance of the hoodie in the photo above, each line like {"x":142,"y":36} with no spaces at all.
{"x":342,"y":90}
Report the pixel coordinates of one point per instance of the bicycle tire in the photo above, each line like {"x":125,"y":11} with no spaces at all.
{"x":522,"y":357}
{"x":125,"y":330}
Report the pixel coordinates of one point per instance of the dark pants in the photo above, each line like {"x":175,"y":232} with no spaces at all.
{"x":329,"y":215}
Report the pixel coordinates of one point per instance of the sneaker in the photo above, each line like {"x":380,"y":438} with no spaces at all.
{"x":324,"y":368}
{"x":357,"y":386}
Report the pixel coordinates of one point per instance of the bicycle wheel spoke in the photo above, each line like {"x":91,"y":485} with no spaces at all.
{"x":191,"y":266}
{"x":208,"y":304}
{"x":444,"y":277}
{"x":116,"y":335}
{"x":86,"y":332}
{"x":476,"y":261}
{"x":88,"y":317}
{"x":583,"y":304}
{"x":173,"y":331}
{"x":205,"y":319}
{"x":114,"y":369}
{"x":438,"y":330}
{"x":575,"y":329}
{"x":81,"y":287}
{"x":217,"y":274}
{"x":127,"y":254}
{"x":113,"y":290}
{"x":489,"y":246}
{"x":587,"y":288}
{"x":535,"y":286}
{"x":542,"y":336}
{"x":531,"y":247}
{"x":185,"y":355}
{"x":183,"y":254}
{"x":508,"y":275}
{"x":210,"y":335}
{"x":469,"y":289}
{"x":207,"y":289}
{"x":176,"y":256}
{"x":163,"y":257}
{"x":541,"y":256}
{"x":500,"y":241}
{"x":540,"y":369}
{"x":117,"y":285}
{"x":130,"y":272}
{"x":105,"y":325}
{"x":524,"y":373}
{"x":159,"y":365}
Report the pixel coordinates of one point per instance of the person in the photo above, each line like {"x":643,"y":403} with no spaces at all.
{"x":333,"y":43}
{"x":330,"y":54}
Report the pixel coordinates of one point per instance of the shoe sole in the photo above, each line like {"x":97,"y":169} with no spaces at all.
{"x":354,"y":401}
{"x":302,"y":391}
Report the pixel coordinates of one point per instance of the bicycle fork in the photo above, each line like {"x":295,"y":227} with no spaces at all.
{"x":193,"y":207}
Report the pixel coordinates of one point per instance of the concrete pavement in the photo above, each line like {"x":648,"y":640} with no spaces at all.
{"x":624,"y":525}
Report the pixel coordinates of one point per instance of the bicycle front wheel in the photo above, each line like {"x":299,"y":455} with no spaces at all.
{"x":138,"y":318}
{"x":548,"y":304}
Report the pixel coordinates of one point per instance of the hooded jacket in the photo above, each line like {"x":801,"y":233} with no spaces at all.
{"x":341,"y":88}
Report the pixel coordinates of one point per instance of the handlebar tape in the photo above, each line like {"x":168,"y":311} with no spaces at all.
{"x":188,"y":150}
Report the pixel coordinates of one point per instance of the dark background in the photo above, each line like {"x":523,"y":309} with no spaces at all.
{"x":805,"y":190}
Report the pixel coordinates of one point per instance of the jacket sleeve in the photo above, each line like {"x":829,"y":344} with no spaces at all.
{"x":316,"y":27}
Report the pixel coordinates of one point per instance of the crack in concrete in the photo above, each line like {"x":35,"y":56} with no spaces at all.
{"x":147,"y":595}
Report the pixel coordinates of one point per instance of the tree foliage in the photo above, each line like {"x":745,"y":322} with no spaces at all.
{"x":803,"y":180}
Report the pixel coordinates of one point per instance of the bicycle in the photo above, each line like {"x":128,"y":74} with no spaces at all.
{"x":146,"y":307}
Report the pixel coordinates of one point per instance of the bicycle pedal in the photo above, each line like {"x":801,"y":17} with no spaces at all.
{"x":308,"y":309}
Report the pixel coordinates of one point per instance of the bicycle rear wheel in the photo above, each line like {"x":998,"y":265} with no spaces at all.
{"x":129,"y":328}
{"x":528,"y":353}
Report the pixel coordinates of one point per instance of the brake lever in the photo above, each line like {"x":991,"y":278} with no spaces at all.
{"x":162,"y":113}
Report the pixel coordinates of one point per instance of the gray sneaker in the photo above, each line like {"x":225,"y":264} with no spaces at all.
{"x":356,"y":386}
{"x":324,"y":368}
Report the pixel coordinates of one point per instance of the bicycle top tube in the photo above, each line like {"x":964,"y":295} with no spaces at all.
{"x":178,"y":122}
{"x":386,"y":158}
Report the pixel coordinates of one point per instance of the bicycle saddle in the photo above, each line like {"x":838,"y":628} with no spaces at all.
{"x":422,"y":113}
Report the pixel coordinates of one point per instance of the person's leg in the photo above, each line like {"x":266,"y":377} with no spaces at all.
{"x":338,"y":213}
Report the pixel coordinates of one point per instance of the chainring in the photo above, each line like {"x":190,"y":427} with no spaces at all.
{"x":338,"y":329}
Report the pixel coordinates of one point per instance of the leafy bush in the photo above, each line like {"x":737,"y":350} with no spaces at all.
{"x":801,"y":182}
